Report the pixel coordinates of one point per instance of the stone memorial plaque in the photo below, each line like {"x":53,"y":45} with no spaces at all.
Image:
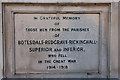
{"x":56,"y":43}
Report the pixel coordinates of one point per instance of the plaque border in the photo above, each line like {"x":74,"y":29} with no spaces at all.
{"x":98,"y":12}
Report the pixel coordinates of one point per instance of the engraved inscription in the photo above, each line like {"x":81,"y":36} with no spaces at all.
{"x":54,"y":43}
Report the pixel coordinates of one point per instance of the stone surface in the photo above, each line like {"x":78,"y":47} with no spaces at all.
{"x":1,"y":46}
{"x":114,"y":41}
{"x":69,"y":41}
{"x":114,"y":30}
{"x":62,"y":1}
